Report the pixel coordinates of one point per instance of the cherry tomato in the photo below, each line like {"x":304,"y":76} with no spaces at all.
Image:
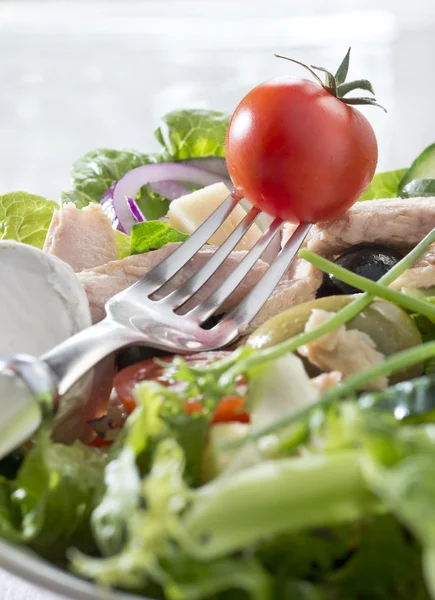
{"x":229,"y":409}
{"x":299,"y":153}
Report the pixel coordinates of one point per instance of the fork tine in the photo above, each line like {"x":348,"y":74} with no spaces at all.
{"x":163,"y":272}
{"x":249,"y":307}
{"x":204,"y":310}
{"x":194,"y":283}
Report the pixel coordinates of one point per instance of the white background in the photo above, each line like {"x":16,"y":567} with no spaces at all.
{"x":77,"y":75}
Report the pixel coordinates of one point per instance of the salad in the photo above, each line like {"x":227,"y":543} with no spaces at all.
{"x":300,"y":463}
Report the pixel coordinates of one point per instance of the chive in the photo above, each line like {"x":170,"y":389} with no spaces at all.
{"x":342,"y":316}
{"x":410,"y":303}
{"x":392,"y":364}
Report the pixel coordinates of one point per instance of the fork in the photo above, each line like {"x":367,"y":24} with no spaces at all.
{"x":134,"y":317}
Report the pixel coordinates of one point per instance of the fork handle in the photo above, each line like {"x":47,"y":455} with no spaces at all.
{"x":74,"y":357}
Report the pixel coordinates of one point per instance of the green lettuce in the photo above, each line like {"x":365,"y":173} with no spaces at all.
{"x":49,"y":504}
{"x":123,"y":245}
{"x":384,"y":185}
{"x":152,"y":235}
{"x":25,"y":218}
{"x":193,"y":133}
{"x":96,"y":171}
{"x":182,"y":134}
{"x":399,"y":468}
{"x":154,"y":538}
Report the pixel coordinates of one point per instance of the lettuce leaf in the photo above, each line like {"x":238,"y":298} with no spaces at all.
{"x":94,"y":173}
{"x":49,"y":505}
{"x":193,"y":133}
{"x":25,"y":218}
{"x":183,"y":134}
{"x":153,"y":549}
{"x":384,"y":185}
{"x":123,"y":245}
{"x":399,"y":469}
{"x":152,"y":235}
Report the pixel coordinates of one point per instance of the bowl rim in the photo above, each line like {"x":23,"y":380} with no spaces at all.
{"x":27,"y":565}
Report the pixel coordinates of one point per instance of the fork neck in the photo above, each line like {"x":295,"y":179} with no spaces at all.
{"x":74,"y":357}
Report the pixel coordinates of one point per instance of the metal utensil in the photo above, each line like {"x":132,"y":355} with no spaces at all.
{"x":133,"y":317}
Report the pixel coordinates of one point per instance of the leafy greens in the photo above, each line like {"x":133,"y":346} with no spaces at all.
{"x":25,"y":218}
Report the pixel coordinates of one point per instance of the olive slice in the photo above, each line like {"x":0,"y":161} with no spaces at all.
{"x":368,"y":260}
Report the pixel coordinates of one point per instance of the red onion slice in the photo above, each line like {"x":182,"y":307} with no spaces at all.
{"x":114,"y":202}
{"x":169,"y":189}
{"x":135,"y":210}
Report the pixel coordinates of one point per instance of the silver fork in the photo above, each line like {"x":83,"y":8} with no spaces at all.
{"x":133,"y":317}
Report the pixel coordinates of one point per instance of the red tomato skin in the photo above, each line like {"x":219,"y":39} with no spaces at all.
{"x":299,"y":153}
{"x":126,"y":380}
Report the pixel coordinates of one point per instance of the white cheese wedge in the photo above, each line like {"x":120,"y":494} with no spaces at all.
{"x":187,"y":213}
{"x":42,"y":302}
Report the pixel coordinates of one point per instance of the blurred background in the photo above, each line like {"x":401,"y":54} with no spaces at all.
{"x":76,"y":75}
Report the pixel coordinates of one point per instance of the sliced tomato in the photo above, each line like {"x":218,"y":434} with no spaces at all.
{"x":99,"y":442}
{"x":229,"y":409}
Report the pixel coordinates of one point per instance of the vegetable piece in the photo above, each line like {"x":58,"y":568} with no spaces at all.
{"x":411,"y":399}
{"x":115,"y":203}
{"x":234,"y":365}
{"x":25,"y":218}
{"x":422,"y":167}
{"x":298,"y":151}
{"x":215,"y":460}
{"x":399,"y":469}
{"x":152,"y":235}
{"x":187,"y":213}
{"x":384,"y":185}
{"x":418,"y":188}
{"x":389,"y":327}
{"x":123,"y":244}
{"x":410,"y":302}
{"x":350,"y":386}
{"x":273,"y":496}
{"x":230,"y":409}
{"x":368,"y":260}
{"x":96,"y":171}
{"x":53,"y":496}
{"x":127,"y":379}
{"x":135,"y":210}
{"x":193,"y":133}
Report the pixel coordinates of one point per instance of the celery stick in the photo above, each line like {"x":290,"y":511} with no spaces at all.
{"x":274,"y":496}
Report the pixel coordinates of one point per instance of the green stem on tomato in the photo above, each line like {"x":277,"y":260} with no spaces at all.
{"x":392,"y":364}
{"x":367,"y":285}
{"x":342,"y":316}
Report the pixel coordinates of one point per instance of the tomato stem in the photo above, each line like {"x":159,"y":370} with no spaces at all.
{"x":337,"y":85}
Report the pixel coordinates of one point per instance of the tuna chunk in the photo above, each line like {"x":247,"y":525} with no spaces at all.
{"x":325,"y":381}
{"x":397,"y":222}
{"x":421,"y":275}
{"x":82,"y":238}
{"x":104,"y":282}
{"x":347,"y":351}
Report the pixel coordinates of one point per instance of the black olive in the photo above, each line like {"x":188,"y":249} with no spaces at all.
{"x":368,"y":260}
{"x":135,"y":354}
{"x":10,"y":464}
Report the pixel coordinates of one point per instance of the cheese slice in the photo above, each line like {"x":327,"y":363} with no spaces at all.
{"x":42,"y":302}
{"x":187,"y":213}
